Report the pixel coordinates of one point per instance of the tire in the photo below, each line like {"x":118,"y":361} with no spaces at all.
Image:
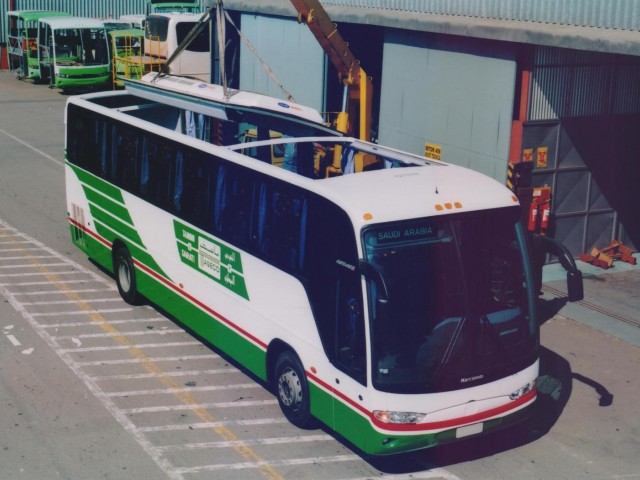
{"x":292,"y":390}
{"x":125,"y":274}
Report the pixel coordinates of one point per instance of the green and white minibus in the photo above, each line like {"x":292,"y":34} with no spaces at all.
{"x":394,"y":302}
{"x":73,"y":52}
{"x":172,"y":6}
{"x":22,"y":40}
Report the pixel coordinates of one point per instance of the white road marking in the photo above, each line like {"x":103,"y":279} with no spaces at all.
{"x":111,"y":322}
{"x":26,"y":265}
{"x":14,"y":341}
{"x":207,"y":425}
{"x":273,"y":463}
{"x":205,"y":356}
{"x":121,"y":334}
{"x":82,"y":312}
{"x":31,"y":147}
{"x":164,"y":391}
{"x":181,"y":373}
{"x":182,"y":407}
{"x":74,"y":302}
{"x":252,"y":443}
{"x":137,"y":346}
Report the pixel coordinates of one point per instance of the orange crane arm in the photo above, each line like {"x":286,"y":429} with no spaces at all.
{"x":354,"y":78}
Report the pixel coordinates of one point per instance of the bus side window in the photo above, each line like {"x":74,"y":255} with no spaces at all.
{"x":281,"y":227}
{"x":125,"y":172}
{"x":157,"y":159}
{"x":233,"y":204}
{"x":196,"y":188}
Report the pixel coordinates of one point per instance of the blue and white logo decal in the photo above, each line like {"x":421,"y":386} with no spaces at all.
{"x":283,"y":105}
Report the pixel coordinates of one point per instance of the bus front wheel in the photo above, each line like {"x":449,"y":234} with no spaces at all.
{"x":292,"y":390}
{"x":125,"y":276}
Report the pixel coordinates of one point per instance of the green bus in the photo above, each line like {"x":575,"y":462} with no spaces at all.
{"x":22,"y":40}
{"x":172,"y":6}
{"x":73,"y":53}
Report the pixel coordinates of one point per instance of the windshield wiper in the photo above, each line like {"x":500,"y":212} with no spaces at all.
{"x":446,"y":357}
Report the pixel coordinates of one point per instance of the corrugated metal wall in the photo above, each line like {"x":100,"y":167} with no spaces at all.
{"x":453,"y":93}
{"x":291,"y":52}
{"x":572,"y":83}
{"x":77,"y":8}
{"x":619,"y":14}
{"x":584,"y":111}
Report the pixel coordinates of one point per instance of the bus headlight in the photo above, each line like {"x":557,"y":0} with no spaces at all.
{"x":398,"y":417}
{"x":523,"y":390}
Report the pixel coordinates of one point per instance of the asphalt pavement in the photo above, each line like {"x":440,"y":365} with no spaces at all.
{"x":611,"y":301}
{"x":586,"y":423}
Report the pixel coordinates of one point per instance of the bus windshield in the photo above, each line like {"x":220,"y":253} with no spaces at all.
{"x":449,"y":307}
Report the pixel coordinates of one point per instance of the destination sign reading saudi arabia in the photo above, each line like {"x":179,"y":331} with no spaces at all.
{"x":211,"y":258}
{"x":405,"y":233}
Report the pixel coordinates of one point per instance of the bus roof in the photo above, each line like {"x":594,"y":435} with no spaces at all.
{"x":176,"y":17}
{"x":405,"y":193}
{"x":424,"y":188}
{"x":198,"y":93}
{"x":30,"y":15}
{"x":73,"y":22}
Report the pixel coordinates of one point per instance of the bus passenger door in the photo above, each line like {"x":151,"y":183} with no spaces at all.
{"x":350,"y":357}
{"x":335,"y":293}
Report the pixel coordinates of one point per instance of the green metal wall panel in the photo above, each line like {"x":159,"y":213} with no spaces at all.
{"x":452,"y":92}
{"x":290,"y":51}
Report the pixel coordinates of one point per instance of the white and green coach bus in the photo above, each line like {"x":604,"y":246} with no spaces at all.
{"x":393,"y":300}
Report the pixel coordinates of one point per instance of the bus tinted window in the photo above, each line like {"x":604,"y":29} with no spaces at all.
{"x":281,"y":229}
{"x":234,"y":203}
{"x":198,"y":44}
{"x":156,"y":28}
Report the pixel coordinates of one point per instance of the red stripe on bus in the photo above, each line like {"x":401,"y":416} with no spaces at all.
{"x":460,"y":421}
{"x":425,"y":427}
{"x":175,"y":288}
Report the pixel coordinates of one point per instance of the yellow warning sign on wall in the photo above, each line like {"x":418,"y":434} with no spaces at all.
{"x":432,"y":151}
{"x":542,"y":157}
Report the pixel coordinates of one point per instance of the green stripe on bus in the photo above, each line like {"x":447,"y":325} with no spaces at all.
{"x":116,"y":208}
{"x":210,"y":329}
{"x":120,"y":228}
{"x":101,"y":185}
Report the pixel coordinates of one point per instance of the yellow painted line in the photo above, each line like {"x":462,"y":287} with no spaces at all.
{"x":245,"y":451}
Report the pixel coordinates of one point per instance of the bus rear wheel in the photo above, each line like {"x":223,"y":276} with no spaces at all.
{"x":292,"y":390}
{"x":125,"y":276}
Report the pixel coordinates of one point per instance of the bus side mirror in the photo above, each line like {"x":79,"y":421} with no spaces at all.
{"x":371,"y":272}
{"x":551,"y":246}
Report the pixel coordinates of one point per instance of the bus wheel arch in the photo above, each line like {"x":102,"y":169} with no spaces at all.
{"x":125,"y":273}
{"x":290,"y":386}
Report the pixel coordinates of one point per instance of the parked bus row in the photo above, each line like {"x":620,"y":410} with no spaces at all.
{"x":74,"y":53}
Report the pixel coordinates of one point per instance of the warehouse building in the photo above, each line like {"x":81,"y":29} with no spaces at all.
{"x":483,"y":83}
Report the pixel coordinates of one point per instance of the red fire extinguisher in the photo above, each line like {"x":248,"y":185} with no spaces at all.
{"x":533,"y":215}
{"x":544,"y":216}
